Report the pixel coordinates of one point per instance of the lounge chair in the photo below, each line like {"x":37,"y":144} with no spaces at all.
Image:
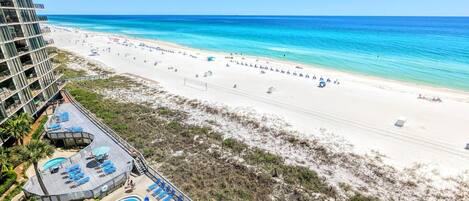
{"x":54,"y":127}
{"x":154,"y":185}
{"x":156,"y":191}
{"x":78,"y":176}
{"x":73,"y":168}
{"x":75,"y":129}
{"x":110,"y":170}
{"x":161,"y":195}
{"x":105,"y":163}
{"x":83,"y":181}
{"x":168,"y":198}
{"x":108,"y":167}
{"x":64,"y":116}
{"x":179,"y":198}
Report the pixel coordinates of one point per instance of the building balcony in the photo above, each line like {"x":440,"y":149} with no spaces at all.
{"x":6,"y":92}
{"x":39,"y":6}
{"x":11,"y":109}
{"x":6,"y":3}
{"x":4,"y":75}
{"x":35,"y":92}
{"x":12,"y":104}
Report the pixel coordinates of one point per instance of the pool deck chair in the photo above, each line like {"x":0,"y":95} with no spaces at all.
{"x":110,"y":170}
{"x":156,"y":191}
{"x":154,"y":185}
{"x":54,"y":126}
{"x":75,"y":129}
{"x":64,"y":117}
{"x":168,"y":198}
{"x":73,"y":168}
{"x":83,"y":181}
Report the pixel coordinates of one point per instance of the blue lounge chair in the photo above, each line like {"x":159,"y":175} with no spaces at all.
{"x":78,"y":176}
{"x":108,"y":167}
{"x":83,"y":181}
{"x":54,"y":126}
{"x":168,"y":198}
{"x":75,"y":129}
{"x":179,"y":198}
{"x":110,"y":171}
{"x":73,"y":168}
{"x":161,"y":194}
{"x":156,"y":191}
{"x":64,"y":116}
{"x":105,"y":163}
{"x":154,"y":185}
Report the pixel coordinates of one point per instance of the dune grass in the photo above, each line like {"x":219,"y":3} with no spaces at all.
{"x":188,"y":154}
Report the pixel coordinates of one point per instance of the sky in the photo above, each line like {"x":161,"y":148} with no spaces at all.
{"x":259,"y":7}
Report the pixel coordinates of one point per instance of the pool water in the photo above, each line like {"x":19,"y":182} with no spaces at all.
{"x":131,"y":198}
{"x":53,"y":163}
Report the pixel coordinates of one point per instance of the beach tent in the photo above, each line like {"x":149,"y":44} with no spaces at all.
{"x":322,"y":83}
{"x":210,"y":58}
{"x":100,"y":151}
{"x":400,"y":122}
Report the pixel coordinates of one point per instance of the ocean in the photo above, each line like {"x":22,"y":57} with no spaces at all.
{"x":424,"y":50}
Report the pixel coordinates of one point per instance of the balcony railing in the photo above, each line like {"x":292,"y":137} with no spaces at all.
{"x":42,"y":18}
{"x":7,"y":4}
{"x":4,"y":75}
{"x":13,"y":107}
{"x":39,"y":6}
{"x":6,"y":92}
{"x":22,"y":50}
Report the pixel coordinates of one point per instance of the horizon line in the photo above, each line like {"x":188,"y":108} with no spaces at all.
{"x":269,"y":15}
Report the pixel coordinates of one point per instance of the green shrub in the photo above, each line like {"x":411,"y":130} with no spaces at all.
{"x":8,"y":179}
{"x":40,"y":129}
{"x":360,"y":197}
{"x":17,"y":190}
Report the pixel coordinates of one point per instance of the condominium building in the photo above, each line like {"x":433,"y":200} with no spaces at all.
{"x":27,"y":77}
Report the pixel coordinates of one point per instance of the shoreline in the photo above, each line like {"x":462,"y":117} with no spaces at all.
{"x":374,"y":102}
{"x":353,"y":75}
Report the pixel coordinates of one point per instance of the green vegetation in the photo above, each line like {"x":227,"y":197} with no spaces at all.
{"x":7,"y":180}
{"x":360,"y":197}
{"x":35,"y":151}
{"x":17,"y":190}
{"x":198,"y":168}
{"x":37,"y":133}
{"x":17,"y":127}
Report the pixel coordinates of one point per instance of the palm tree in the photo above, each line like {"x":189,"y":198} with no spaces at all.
{"x":17,"y":127}
{"x":35,"y":151}
{"x":4,"y":162}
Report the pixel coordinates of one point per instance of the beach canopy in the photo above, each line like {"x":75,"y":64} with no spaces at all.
{"x":100,"y":151}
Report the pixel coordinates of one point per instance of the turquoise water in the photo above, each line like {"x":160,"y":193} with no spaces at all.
{"x":424,"y":50}
{"x":131,"y":198}
{"x":53,"y":163}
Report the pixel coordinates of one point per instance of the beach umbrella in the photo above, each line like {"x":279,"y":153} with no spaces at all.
{"x":100,"y":151}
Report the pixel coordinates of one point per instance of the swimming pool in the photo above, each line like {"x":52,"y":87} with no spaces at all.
{"x":131,"y":198}
{"x":53,"y":163}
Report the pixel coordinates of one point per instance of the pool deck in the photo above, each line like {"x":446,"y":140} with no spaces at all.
{"x":58,"y":184}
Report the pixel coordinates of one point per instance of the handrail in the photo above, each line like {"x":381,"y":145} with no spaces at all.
{"x":124,"y":144}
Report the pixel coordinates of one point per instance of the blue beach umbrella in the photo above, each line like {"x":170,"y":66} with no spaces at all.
{"x":100,"y":151}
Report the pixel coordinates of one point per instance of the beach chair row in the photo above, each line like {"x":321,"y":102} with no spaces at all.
{"x":162,"y":191}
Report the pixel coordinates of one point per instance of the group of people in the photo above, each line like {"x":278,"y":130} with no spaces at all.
{"x":431,"y":99}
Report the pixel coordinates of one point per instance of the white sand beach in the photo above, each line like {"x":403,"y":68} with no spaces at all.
{"x":359,"y":110}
